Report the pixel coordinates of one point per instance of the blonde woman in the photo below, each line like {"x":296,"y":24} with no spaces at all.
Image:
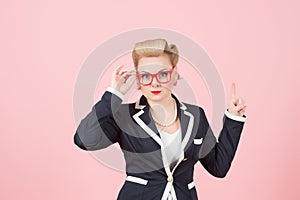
{"x":161,"y":137}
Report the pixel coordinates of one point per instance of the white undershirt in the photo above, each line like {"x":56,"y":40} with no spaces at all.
{"x":172,"y":145}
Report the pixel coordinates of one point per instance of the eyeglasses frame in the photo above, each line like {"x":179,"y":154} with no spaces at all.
{"x":154,"y":76}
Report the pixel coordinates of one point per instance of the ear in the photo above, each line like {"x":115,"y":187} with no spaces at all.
{"x":176,"y":73}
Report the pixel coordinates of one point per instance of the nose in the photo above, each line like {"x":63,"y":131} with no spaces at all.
{"x":155,"y":82}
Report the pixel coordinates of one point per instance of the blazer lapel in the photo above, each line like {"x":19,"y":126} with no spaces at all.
{"x":145,"y":121}
{"x":187,"y":124}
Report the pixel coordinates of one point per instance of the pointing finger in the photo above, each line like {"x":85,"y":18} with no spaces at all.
{"x":233,"y":88}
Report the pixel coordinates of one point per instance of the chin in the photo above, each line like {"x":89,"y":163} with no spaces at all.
{"x":157,"y":97}
{"x":152,"y":97}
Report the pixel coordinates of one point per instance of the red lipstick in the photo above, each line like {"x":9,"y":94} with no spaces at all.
{"x":155,"y":92}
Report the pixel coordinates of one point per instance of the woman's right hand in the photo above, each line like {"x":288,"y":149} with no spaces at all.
{"x":122,"y":79}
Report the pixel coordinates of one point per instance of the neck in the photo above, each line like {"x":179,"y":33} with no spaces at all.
{"x":163,"y":111}
{"x":167,"y":103}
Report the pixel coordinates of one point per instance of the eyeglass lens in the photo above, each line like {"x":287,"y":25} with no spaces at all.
{"x":162,"y":77}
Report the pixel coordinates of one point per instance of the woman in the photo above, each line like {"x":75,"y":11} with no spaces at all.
{"x":161,"y":138}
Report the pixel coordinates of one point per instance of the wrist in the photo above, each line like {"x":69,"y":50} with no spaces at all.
{"x":241,"y":118}
{"x":115,"y":91}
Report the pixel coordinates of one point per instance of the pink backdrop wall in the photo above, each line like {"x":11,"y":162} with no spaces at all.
{"x":44,"y":43}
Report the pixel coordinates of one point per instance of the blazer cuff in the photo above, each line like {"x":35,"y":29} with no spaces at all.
{"x":116,"y":92}
{"x":235,"y":117}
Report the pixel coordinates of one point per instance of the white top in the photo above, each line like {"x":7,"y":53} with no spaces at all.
{"x":172,"y":145}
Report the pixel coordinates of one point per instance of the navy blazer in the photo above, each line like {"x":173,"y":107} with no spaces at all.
{"x":148,"y":174}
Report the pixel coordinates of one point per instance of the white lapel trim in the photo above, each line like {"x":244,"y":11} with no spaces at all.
{"x":189,"y":128}
{"x":146,"y":128}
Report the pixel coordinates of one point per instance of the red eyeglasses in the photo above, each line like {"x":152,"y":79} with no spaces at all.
{"x":146,"y":78}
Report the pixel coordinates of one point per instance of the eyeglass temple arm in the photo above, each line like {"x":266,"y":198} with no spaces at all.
{"x":132,"y":72}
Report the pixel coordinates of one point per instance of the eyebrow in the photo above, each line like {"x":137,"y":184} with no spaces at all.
{"x":156,"y":72}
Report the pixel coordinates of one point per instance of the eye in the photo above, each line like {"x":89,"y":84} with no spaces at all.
{"x":145,"y":76}
{"x":163,"y":74}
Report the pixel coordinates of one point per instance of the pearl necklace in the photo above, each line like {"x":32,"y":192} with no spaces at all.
{"x":171,"y":122}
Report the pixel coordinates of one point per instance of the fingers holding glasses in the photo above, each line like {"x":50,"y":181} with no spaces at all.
{"x":120,"y":80}
{"x":120,"y":73}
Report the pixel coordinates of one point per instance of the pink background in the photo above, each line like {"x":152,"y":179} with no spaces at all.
{"x":44,"y":43}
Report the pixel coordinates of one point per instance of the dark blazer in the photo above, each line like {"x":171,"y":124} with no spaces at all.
{"x":148,"y":175}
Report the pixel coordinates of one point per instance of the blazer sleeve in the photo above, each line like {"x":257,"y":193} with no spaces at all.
{"x":98,"y":129}
{"x":217,"y":156}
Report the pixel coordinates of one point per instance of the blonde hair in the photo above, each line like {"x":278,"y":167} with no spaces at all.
{"x":154,"y":48}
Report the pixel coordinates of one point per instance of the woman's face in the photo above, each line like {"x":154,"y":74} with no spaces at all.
{"x":156,"y":91}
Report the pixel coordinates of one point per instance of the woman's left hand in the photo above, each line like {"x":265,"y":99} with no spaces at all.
{"x":237,"y":106}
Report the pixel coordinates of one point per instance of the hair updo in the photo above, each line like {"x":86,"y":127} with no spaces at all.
{"x":154,"y":48}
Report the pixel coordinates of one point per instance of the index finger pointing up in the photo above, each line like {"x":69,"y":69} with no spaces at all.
{"x":233,"y":88}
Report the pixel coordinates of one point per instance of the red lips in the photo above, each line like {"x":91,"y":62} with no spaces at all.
{"x":155,"y":92}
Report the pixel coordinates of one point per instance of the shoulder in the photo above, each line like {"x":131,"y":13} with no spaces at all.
{"x":129,"y":107}
{"x":191,"y":107}
{"x":196,"y":111}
